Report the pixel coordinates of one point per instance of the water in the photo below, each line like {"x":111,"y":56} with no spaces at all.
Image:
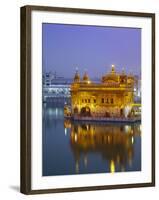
{"x":82,"y":147}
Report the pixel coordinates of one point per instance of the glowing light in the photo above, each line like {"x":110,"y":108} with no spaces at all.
{"x":112,"y":166}
{"x":108,"y":139}
{"x":50,"y":111}
{"x":56,"y":111}
{"x":127,"y":129}
{"x":127,"y":110}
{"x":132,"y":140}
{"x":75,"y":138}
{"x":65,"y":131}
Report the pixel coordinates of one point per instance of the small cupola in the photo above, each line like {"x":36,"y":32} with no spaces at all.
{"x":86,"y":78}
{"x":77,"y":76}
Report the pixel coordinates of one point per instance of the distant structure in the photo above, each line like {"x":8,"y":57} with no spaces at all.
{"x":56,"y":88}
{"x":50,"y":78}
{"x":112,"y":97}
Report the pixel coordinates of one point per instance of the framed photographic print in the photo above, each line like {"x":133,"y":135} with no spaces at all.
{"x":87,"y":99}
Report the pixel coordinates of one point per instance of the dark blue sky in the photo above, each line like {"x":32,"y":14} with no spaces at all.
{"x":94,"y":48}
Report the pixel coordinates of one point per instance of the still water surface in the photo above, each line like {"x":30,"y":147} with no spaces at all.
{"x":83,"y":147}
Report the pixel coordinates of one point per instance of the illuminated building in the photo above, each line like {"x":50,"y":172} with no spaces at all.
{"x":112,"y":97}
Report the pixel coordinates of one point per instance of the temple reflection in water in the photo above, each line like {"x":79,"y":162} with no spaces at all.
{"x":82,"y":147}
{"x":114,"y":143}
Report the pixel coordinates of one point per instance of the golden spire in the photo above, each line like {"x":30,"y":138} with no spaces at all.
{"x":113,"y":69}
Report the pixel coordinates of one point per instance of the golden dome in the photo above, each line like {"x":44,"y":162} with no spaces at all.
{"x":111,"y":77}
{"x":85,"y":77}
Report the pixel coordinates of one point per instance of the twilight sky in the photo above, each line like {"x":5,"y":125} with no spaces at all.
{"x":91,"y":48}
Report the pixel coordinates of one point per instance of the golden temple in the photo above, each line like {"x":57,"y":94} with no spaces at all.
{"x":113,"y":97}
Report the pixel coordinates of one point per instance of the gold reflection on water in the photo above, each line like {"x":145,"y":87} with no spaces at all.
{"x":112,"y":166}
{"x":115,"y":143}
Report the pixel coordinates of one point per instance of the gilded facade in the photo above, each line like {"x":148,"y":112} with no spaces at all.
{"x":112,"y":97}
